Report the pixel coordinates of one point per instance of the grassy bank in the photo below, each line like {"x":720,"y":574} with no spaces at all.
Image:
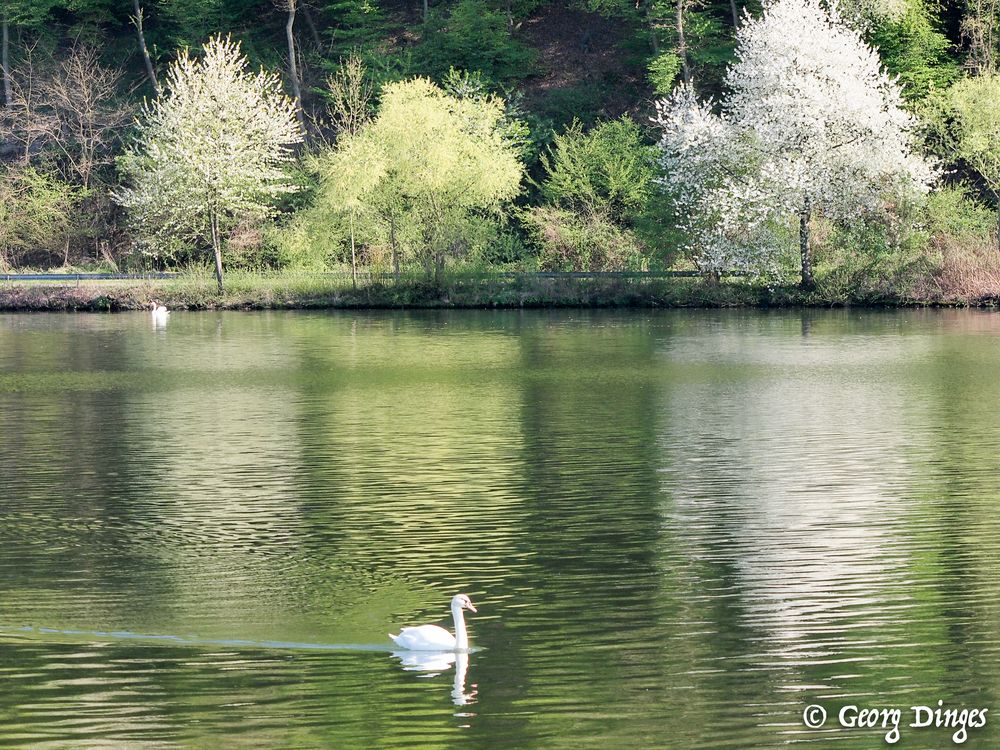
{"x":248,"y":291}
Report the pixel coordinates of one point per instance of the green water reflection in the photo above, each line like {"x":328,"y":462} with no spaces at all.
{"x":680,"y":528}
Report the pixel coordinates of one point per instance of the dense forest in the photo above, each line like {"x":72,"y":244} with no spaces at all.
{"x":851,"y":147}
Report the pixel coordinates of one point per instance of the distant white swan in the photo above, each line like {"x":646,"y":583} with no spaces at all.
{"x":434,"y":638}
{"x":158,"y":310}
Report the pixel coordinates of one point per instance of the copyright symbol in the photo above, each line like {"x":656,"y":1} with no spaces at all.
{"x":814,"y":716}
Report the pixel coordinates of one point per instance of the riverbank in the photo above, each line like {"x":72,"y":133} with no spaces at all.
{"x":248,"y":291}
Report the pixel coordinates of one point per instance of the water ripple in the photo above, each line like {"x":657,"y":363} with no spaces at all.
{"x":680,"y":528}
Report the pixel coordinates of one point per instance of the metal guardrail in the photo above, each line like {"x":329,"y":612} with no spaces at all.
{"x":491,"y":275}
{"x":84,"y":276}
{"x":368,"y":275}
{"x":594,"y":274}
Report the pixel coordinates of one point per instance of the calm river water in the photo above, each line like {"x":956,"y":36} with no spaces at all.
{"x":681,"y":529}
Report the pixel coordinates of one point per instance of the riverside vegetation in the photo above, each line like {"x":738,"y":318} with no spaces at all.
{"x":792,"y":152}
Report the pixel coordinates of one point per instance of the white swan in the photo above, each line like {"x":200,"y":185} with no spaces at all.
{"x":434,"y":638}
{"x":158,"y":310}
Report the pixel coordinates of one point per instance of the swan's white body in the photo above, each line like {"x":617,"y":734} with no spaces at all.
{"x":158,"y":310}
{"x":434,"y":638}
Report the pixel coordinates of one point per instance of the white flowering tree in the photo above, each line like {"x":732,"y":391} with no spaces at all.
{"x":211,"y":151}
{"x":812,"y":125}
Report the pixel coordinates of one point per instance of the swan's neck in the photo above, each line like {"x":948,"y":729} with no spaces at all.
{"x":461,"y":634}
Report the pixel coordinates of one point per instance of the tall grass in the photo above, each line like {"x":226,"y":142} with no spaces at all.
{"x":966,"y":275}
{"x":968,"y":272}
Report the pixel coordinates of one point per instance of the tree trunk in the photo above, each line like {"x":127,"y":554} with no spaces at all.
{"x":805,"y":249}
{"x":426,"y":11}
{"x":8,"y":96}
{"x":682,"y":50}
{"x":293,"y":70}
{"x":439,"y":270}
{"x":395,"y":250}
{"x":736,"y":14}
{"x":137,"y":20}
{"x":354,"y":257}
{"x":217,"y":247}
{"x":978,"y":30}
{"x":313,"y":31}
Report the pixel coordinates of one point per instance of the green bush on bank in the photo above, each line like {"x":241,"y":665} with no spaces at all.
{"x":569,"y":241}
{"x":37,"y":212}
{"x":926,"y":250}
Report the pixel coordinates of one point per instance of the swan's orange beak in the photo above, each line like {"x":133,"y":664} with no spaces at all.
{"x":470,"y":607}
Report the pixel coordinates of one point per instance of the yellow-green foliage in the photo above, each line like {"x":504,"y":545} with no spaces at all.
{"x":36,"y":212}
{"x":974,"y":109}
{"x":437,"y":147}
{"x":413,"y":177}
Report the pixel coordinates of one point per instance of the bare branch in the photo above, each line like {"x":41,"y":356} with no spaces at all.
{"x":137,"y":22}
{"x":350,"y":93}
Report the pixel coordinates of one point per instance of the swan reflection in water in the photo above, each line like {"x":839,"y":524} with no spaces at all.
{"x":158,"y":315}
{"x":434,"y":663}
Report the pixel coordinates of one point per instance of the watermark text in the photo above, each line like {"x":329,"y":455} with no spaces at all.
{"x":895,"y":720}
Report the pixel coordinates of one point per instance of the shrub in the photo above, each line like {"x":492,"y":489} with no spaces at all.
{"x":962,"y":248}
{"x":953,"y":211}
{"x":36,"y":216}
{"x":607,"y":171}
{"x":569,"y":241}
{"x":312,"y":241}
{"x":663,"y":71}
{"x":472,"y":37}
{"x":882,"y":257}
{"x":940,"y":248}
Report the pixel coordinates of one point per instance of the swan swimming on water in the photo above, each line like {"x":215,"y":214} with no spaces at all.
{"x":158,"y":310}
{"x":434,"y":638}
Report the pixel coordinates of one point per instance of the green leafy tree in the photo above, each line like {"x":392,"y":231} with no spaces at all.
{"x":599,"y":188}
{"x":36,"y":214}
{"x":211,"y":152}
{"x":690,"y":40}
{"x":607,"y":171}
{"x":980,"y":28}
{"x":973,"y":118}
{"x":349,"y":94}
{"x":913,"y":48}
{"x":190,"y":21}
{"x":425,"y":167}
{"x":92,"y":14}
{"x":472,"y":37}
{"x":29,"y":14}
{"x":355,"y":26}
{"x":663,"y":70}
